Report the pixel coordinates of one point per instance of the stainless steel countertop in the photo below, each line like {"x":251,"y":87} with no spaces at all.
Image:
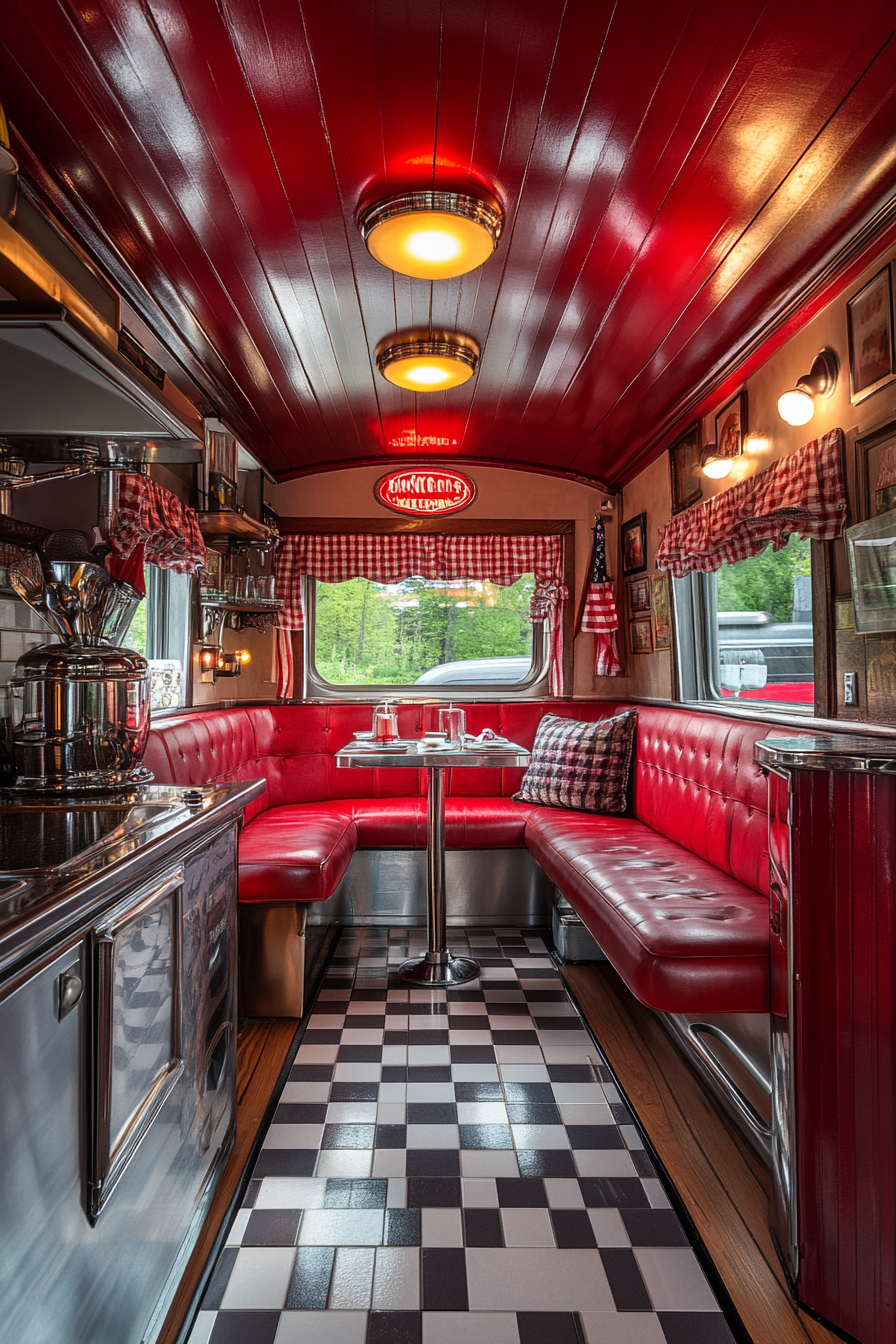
{"x":418,"y":758}
{"x":833,"y":751}
{"x":41,"y":901}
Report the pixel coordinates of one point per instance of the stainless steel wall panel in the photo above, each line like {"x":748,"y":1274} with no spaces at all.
{"x":484,"y":886}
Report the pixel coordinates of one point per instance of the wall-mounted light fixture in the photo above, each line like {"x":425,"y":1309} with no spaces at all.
{"x":714,"y":464}
{"x":214,"y":661}
{"x":796,"y":406}
{"x":432,"y":235}
{"x":8,"y":162}
{"x":432,"y":362}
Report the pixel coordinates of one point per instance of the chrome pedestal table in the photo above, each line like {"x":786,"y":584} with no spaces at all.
{"x":438,"y":967}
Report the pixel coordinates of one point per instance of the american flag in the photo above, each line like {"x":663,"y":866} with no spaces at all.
{"x":599,"y":610}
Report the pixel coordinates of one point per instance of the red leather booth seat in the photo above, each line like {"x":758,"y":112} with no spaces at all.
{"x":675,"y":893}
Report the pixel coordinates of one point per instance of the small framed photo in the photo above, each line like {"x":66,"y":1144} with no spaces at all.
{"x":684,"y":463}
{"x":638,"y":595}
{"x":211,"y":577}
{"x":642,"y":635}
{"x":662,"y":611}
{"x":876,"y":472}
{"x":731,"y":427}
{"x":869,"y":323}
{"x":634,"y":544}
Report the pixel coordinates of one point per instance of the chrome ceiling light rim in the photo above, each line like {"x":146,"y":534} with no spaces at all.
{"x":462,"y":349}
{"x":488,"y":214}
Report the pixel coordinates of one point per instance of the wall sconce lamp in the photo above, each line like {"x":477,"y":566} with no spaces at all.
{"x":796,"y":406}
{"x":215,"y":661}
{"x":715,"y":464}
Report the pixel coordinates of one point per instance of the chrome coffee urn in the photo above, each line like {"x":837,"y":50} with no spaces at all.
{"x":83,"y":717}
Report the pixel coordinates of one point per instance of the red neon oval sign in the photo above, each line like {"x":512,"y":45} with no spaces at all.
{"x":425,"y":491}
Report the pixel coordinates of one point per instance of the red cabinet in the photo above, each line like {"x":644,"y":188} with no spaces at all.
{"x":832,"y":852}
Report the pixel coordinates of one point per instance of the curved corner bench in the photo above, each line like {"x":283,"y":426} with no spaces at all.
{"x":675,"y":892}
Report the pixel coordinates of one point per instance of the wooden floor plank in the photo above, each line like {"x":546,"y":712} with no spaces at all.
{"x":722,"y":1182}
{"x":263,"y":1045}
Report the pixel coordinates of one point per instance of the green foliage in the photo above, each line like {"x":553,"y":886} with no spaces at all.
{"x":388,"y":634}
{"x":765,"y":581}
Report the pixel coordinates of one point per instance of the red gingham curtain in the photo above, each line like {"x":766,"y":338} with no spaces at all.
{"x":150,"y":516}
{"x":803,"y":493}
{"x":390,"y":557}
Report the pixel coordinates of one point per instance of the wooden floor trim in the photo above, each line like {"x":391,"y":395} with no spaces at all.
{"x":722,"y":1183}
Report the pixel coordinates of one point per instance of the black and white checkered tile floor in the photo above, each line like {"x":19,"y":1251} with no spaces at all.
{"x":454,"y":1168}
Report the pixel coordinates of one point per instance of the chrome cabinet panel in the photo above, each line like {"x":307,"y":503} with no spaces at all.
{"x":137,"y":1030}
{"x":111,"y":1283}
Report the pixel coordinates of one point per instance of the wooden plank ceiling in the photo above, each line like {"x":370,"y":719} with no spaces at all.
{"x":672,"y":171}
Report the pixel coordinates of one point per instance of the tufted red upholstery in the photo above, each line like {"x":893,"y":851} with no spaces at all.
{"x":699,"y":812}
{"x":682,"y":934}
{"x":300,"y":862}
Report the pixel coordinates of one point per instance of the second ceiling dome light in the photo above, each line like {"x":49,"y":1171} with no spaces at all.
{"x":431,"y":235}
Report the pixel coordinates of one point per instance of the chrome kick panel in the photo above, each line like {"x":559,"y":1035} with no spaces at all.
{"x":484,"y":886}
{"x":732,"y":1054}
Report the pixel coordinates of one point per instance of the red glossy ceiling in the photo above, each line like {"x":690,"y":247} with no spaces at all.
{"x":673,"y":174}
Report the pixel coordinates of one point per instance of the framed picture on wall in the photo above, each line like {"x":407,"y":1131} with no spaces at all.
{"x":876,"y":472}
{"x":642,"y":635}
{"x":662,"y":611}
{"x":731,"y":427}
{"x":638,"y":596}
{"x":869,"y":324}
{"x":684,"y":464}
{"x":634,"y":544}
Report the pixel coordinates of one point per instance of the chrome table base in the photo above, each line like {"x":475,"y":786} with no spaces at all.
{"x":438,"y":967}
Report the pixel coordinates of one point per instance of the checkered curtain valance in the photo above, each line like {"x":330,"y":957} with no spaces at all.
{"x":392,"y":556}
{"x":150,"y":516}
{"x":803,"y":493}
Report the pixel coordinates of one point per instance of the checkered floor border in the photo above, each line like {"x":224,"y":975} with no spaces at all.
{"x":454,"y":1167}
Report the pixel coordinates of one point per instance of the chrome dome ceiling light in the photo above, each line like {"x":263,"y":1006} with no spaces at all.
{"x":431,"y":235}
{"x":430,"y":363}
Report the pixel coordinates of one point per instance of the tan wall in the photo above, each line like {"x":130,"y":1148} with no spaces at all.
{"x":770,"y":439}
{"x":501,"y":494}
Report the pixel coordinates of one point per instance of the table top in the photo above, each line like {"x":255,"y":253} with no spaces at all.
{"x":418,"y":757}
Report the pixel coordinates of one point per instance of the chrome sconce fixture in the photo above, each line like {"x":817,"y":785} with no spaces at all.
{"x":215,"y":662}
{"x":796,"y":406}
{"x":716,"y":464}
{"x":432,"y":235}
{"x":427,"y":361}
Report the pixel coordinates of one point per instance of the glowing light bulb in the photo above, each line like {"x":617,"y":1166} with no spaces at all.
{"x":718,"y":467}
{"x":243,"y":656}
{"x":427,"y":375}
{"x":796,"y":407}
{"x":433,"y":245}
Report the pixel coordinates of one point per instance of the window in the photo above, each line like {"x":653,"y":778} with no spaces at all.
{"x":422,"y":632}
{"x":160,"y":630}
{"x":745,"y":631}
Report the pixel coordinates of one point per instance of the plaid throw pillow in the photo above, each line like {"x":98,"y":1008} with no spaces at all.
{"x":580,"y":765}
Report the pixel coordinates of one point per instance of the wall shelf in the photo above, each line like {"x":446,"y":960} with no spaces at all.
{"x":234,"y":526}
{"x":217,"y":612}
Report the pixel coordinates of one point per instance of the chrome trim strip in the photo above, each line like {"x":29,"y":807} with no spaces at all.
{"x":489,"y":216}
